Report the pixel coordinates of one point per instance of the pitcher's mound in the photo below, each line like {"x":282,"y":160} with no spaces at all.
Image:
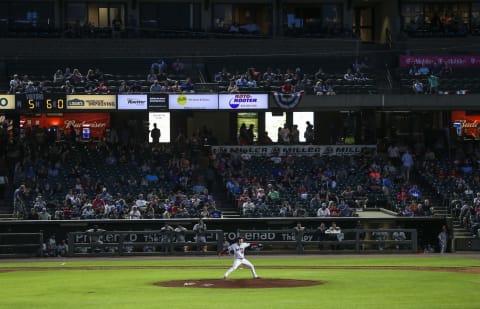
{"x":239,"y":283}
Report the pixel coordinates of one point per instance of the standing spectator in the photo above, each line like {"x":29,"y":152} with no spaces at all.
{"x":117,"y":25}
{"x":295,"y":135}
{"x":407,"y":165}
{"x":309,"y":133}
{"x":155,"y":134}
{"x":433,"y":83}
{"x":19,"y":202}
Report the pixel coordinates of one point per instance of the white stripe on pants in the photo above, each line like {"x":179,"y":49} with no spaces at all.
{"x":238,"y":262}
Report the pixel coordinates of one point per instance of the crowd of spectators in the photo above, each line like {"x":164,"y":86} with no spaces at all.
{"x":178,"y":77}
{"x":292,"y":80}
{"x":299,"y":186}
{"x":114,"y":178}
{"x":160,"y":78}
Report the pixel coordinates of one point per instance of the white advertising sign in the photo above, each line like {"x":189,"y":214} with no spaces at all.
{"x":193,"y":101}
{"x":243,"y":101}
{"x":132,"y":101}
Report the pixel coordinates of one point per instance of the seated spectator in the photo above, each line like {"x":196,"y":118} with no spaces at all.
{"x":187,"y":85}
{"x":323,"y":211}
{"x":102,"y":88}
{"x":446,"y":69}
{"x":423,"y":70}
{"x":287,"y":87}
{"x":241,"y":81}
{"x":30,"y":88}
{"x":16,"y":84}
{"x":76,"y":78}
{"x":349,"y":76}
{"x":318,"y":88}
{"x":269,"y":75}
{"x":135,"y":87}
{"x":436,"y":69}
{"x":413,"y":71}
{"x":248,"y":207}
{"x":152,"y":77}
{"x":418,"y":87}
{"x":134,"y":213}
{"x":155,"y":87}
{"x":251,"y":83}
{"x":320,"y":74}
{"x":233,"y":87}
{"x":58,"y":77}
{"x":328,"y":89}
{"x":124,"y":88}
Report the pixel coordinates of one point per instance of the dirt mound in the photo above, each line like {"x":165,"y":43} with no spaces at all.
{"x":239,"y":283}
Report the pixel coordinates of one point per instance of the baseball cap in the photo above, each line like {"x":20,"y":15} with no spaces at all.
{"x":324,"y":204}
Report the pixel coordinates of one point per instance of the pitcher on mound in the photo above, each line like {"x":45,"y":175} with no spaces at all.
{"x":238,"y":249}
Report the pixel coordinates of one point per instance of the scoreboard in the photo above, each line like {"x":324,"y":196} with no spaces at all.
{"x":41,"y":102}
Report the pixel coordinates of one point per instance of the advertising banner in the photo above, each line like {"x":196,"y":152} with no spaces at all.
{"x":96,"y":122}
{"x":243,"y":101}
{"x":157,"y":101}
{"x":297,"y":150}
{"x":91,"y":102}
{"x":193,"y":101}
{"x":7,"y":102}
{"x":468,"y":126}
{"x":132,"y":101}
{"x":452,"y":60}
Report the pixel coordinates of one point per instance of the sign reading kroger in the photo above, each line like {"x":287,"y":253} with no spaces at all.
{"x":243,"y":101}
{"x":132,"y":101}
{"x":91,"y":102}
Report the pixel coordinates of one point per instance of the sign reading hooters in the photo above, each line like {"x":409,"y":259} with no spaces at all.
{"x":91,"y":102}
{"x":298,"y":150}
{"x":243,"y":101}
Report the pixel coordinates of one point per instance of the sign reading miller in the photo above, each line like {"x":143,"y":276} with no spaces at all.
{"x":299,"y":150}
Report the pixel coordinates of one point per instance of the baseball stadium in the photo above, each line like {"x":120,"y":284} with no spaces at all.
{"x":240,"y":153}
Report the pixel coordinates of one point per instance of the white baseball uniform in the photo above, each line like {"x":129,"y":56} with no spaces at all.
{"x":239,"y":258}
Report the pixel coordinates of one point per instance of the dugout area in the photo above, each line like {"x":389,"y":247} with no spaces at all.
{"x":268,"y":236}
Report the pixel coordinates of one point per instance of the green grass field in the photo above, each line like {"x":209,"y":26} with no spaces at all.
{"x":128,"y":283}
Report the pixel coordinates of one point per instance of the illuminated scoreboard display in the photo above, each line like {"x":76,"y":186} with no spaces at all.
{"x":41,"y":102}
